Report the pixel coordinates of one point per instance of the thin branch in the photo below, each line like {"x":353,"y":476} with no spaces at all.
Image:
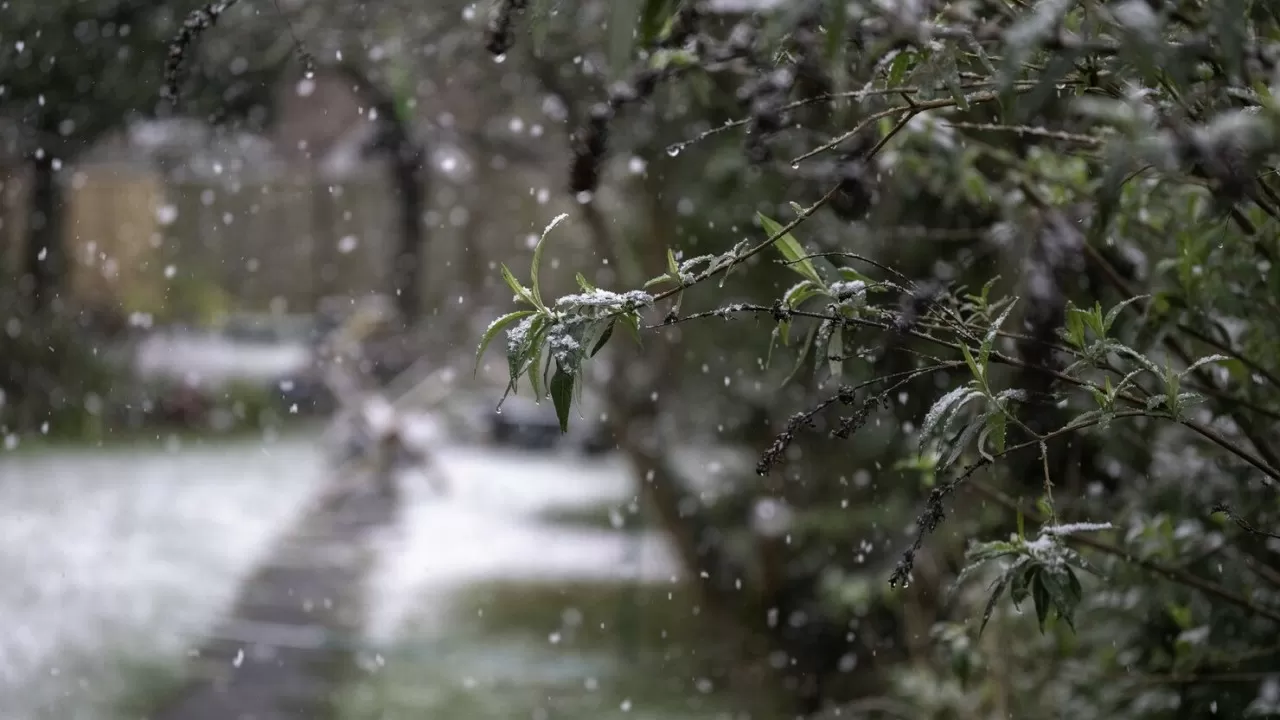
{"x":1174,"y":574}
{"x":1244,"y":524}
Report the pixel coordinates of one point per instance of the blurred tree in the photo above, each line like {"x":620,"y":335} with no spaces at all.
{"x":1112,"y":164}
{"x":75,"y":70}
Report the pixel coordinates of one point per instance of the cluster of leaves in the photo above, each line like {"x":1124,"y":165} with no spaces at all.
{"x":1043,"y":569}
{"x":1091,"y":133}
{"x":548,"y":343}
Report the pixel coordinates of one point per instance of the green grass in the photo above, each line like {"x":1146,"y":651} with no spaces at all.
{"x":148,"y":683}
{"x":604,"y":516}
{"x":571,"y":651}
{"x":151,"y":438}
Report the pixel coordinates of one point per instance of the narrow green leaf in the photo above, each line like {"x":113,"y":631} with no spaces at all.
{"x":1040,"y":596}
{"x":1020,"y":586}
{"x":492,"y":331}
{"x":791,"y":250}
{"x":898,"y":69}
{"x":799,"y":293}
{"x":990,"y":609}
{"x":994,"y":432}
{"x":562,"y":396}
{"x":520,"y":349}
{"x":604,"y":338}
{"x":973,"y":364}
{"x":1075,"y":328}
{"x":673,"y":267}
{"x":632,"y":321}
{"x":984,"y":353}
{"x":941,"y":411}
{"x":1114,"y":312}
{"x":971,"y":432}
{"x":1061,"y":595}
{"x":535,"y":373}
{"x":584,"y":283}
{"x":537,"y":257}
{"x":521,"y":291}
{"x":848,"y":273}
{"x":1203,"y":361}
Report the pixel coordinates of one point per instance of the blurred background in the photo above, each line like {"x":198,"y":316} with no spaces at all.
{"x":251,"y":468}
{"x":187,"y":529}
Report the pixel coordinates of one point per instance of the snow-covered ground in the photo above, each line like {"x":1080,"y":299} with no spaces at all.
{"x":115,"y":561}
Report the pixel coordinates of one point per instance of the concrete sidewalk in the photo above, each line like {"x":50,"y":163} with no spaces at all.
{"x":285,"y":646}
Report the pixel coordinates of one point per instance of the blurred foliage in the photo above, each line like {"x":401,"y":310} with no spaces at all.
{"x":1031,"y":249}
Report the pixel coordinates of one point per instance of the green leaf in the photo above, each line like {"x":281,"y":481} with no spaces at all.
{"x":939,"y":415}
{"x":801,"y":292}
{"x":632,"y":321}
{"x":604,"y":338}
{"x":1023,"y":575}
{"x":848,"y":273}
{"x":791,"y":250}
{"x":492,"y":331}
{"x":562,"y":396}
{"x":994,"y":432}
{"x":984,"y":353}
{"x":1114,"y":312}
{"x":584,"y":283}
{"x":973,"y":364}
{"x":1203,"y":361}
{"x":673,"y":267}
{"x":521,"y":291}
{"x":1058,"y":586}
{"x":971,"y":431}
{"x":898,"y":68}
{"x":537,"y":257}
{"x":520,"y":350}
{"x":996,"y":591}
{"x":1040,"y":596}
{"x":536,"y":372}
{"x":1075,"y":327}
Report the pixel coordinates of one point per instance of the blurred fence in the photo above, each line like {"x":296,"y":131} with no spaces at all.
{"x":184,"y":249}
{"x":143,"y":243}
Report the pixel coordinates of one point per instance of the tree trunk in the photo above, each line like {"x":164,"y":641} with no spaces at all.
{"x":409,"y":177}
{"x":44,"y":256}
{"x":409,"y":182}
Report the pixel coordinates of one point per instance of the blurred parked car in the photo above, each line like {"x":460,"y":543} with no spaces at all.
{"x":271,"y":352}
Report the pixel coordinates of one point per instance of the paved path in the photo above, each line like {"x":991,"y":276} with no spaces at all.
{"x":281,"y":652}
